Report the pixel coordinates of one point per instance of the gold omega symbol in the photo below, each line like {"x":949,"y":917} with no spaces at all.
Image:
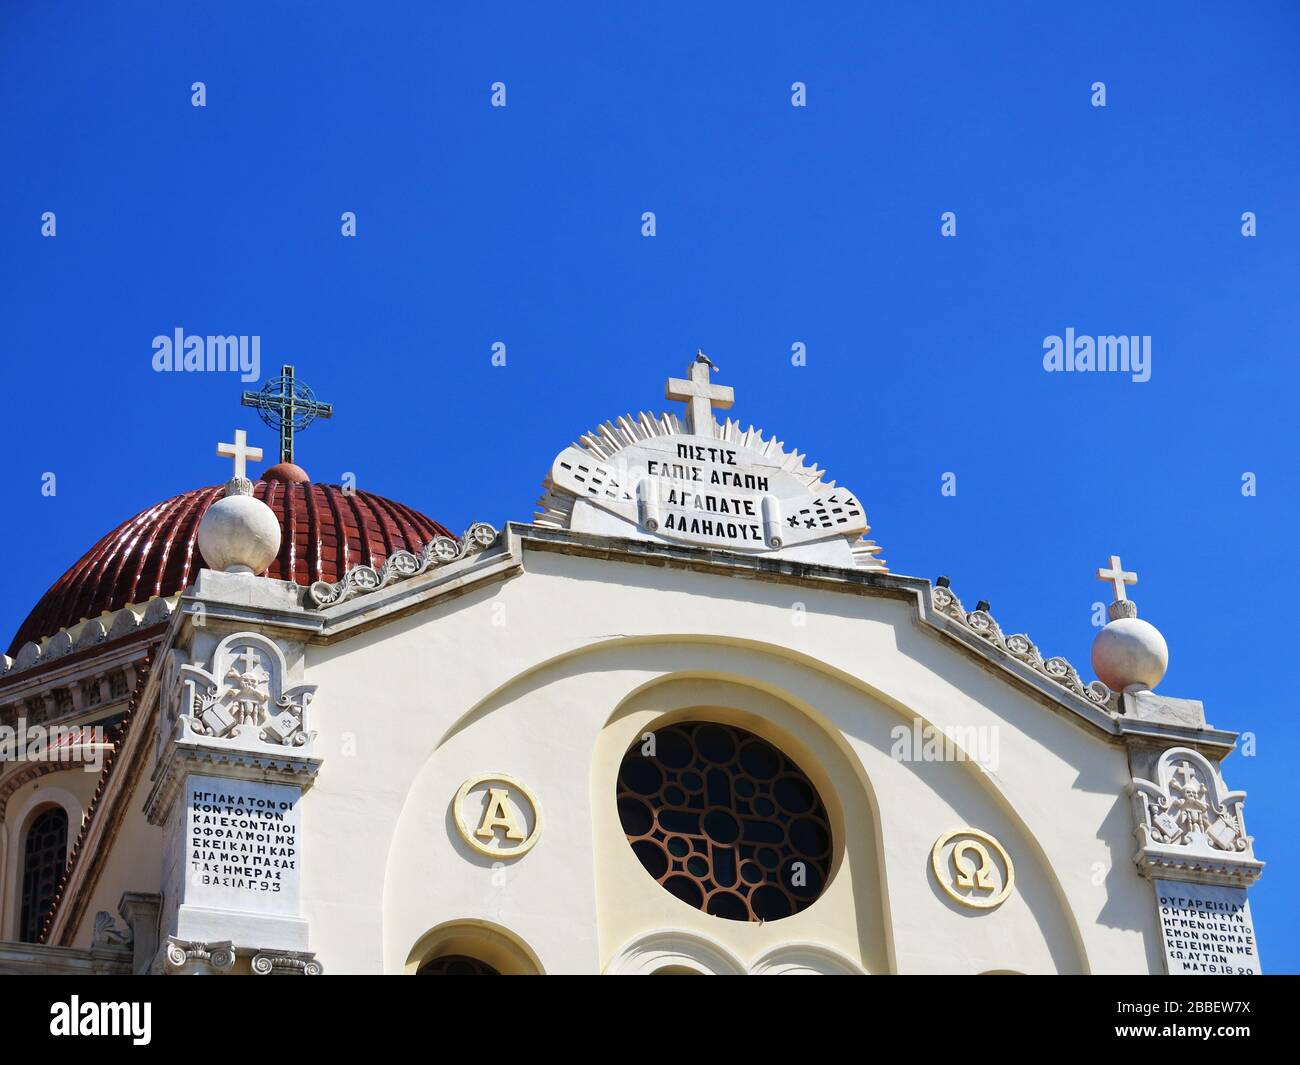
{"x":972,"y":867}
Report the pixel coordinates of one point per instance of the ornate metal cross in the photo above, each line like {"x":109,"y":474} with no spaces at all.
{"x":288,"y":406}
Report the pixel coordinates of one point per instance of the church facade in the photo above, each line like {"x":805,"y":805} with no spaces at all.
{"x":685,"y":720}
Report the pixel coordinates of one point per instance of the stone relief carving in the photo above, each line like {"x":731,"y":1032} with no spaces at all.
{"x":218,"y":956}
{"x":158,"y":611}
{"x":124,"y":622}
{"x":28,"y":655}
{"x":602,"y":448}
{"x":284,"y":963}
{"x":244,"y":697}
{"x":402,"y":565}
{"x":60,"y":644}
{"x":107,"y":933}
{"x":1019,"y":646}
{"x":92,"y":633}
{"x":1190,"y":824}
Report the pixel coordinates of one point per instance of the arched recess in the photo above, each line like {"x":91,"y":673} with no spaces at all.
{"x":556,"y":723}
{"x":848,"y":919}
{"x":805,"y":959}
{"x":16,"y":824}
{"x":490,"y":943}
{"x":672,"y":951}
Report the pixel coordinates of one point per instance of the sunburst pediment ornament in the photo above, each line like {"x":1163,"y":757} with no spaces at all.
{"x":692,"y":480}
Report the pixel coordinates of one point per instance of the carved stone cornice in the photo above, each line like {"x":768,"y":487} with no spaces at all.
{"x":403,"y":565}
{"x":82,"y":641}
{"x":1020,"y":647}
{"x":181,"y":759}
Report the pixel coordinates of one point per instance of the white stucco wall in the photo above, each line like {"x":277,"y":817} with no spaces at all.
{"x":547,"y":676}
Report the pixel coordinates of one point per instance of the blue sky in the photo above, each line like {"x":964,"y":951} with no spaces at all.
{"x":775,"y":225}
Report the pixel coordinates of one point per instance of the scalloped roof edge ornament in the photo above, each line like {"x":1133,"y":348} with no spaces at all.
{"x":90,"y":632}
{"x":1020,"y":646}
{"x":697,"y":482}
{"x":402,"y":565}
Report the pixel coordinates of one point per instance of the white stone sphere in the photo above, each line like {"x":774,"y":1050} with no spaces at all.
{"x":239,"y":534}
{"x":1130,"y":655}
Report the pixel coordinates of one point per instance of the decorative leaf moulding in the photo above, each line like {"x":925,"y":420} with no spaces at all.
{"x":402,"y":565}
{"x":86,"y":634}
{"x":1019,"y":646}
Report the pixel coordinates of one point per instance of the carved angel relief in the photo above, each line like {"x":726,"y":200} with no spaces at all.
{"x":243,"y":697}
{"x":1188,"y":818}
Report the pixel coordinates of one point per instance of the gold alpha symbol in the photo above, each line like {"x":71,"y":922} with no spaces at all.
{"x":499,"y":815}
{"x":499,"y":827}
{"x":970,"y":866}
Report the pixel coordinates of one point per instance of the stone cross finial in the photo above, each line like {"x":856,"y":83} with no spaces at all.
{"x":1122,"y":607}
{"x":241,"y":453}
{"x":700,"y":395}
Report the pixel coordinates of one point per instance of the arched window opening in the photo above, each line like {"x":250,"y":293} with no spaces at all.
{"x":457,"y":965}
{"x":44,"y":857}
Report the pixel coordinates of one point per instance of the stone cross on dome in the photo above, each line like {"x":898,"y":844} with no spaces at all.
{"x":241,"y":452}
{"x":700,"y":395}
{"x":239,"y":533}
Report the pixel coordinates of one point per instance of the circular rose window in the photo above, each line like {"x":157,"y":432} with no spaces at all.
{"x":725,"y":821}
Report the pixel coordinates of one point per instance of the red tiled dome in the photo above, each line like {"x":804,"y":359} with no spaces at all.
{"x":325,"y":532}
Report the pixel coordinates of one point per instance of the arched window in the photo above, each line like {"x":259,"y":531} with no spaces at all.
{"x":725,"y":821}
{"x":45,"y":854}
{"x":457,"y":965}
{"x":471,"y":948}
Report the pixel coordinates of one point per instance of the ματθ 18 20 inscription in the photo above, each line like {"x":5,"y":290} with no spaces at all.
{"x":1206,"y":929}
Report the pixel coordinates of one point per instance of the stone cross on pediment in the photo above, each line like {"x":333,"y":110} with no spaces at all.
{"x":1117,"y":577}
{"x":700,"y":395}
